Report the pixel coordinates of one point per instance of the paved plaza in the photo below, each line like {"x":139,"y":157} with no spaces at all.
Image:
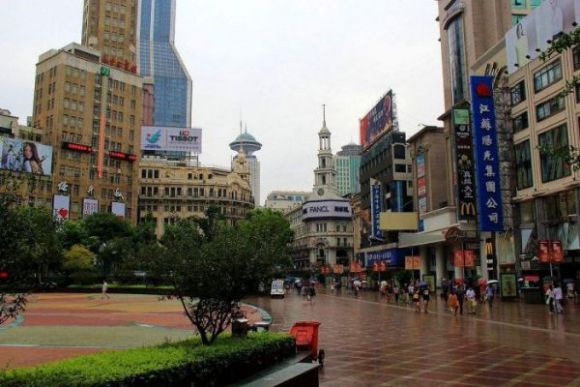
{"x":367,"y":341}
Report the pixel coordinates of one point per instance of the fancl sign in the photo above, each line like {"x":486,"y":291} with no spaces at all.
{"x":326,"y":209}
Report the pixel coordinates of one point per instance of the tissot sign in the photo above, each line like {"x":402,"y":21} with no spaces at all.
{"x":326,"y":209}
{"x":171,"y":139}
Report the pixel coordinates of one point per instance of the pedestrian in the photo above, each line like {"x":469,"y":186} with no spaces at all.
{"x":426,"y":298}
{"x":549,"y":295}
{"x":411,"y":292}
{"x":444,"y":289}
{"x":489,"y":294}
{"x":383,"y":288}
{"x":460,"y":297}
{"x":311,"y":292}
{"x":356,"y":286}
{"x":471,"y":300}
{"x":396,"y":293}
{"x":453,"y":302}
{"x":104,"y":289}
{"x":558,"y":299}
{"x":417,"y":300}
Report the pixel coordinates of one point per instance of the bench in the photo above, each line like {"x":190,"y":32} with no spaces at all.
{"x":290,"y":372}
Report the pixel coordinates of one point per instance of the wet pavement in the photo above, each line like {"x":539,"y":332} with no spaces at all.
{"x":369,"y":342}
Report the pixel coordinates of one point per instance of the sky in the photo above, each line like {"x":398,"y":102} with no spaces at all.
{"x":272,"y":63}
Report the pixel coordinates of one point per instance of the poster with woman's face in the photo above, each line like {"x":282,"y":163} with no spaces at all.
{"x":25,"y":156}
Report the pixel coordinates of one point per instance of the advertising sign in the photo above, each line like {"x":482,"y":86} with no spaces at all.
{"x":557,"y":251}
{"x":544,"y":251}
{"x":534,"y":33}
{"x":25,"y":156}
{"x":61,"y":207}
{"x":464,"y":164}
{"x":377,"y":120}
{"x":118,"y":208}
{"x":391,"y":257}
{"x":490,"y":211}
{"x":171,"y":139}
{"x":464,"y":258}
{"x":90,"y":206}
{"x":412,"y":262}
{"x":376,"y":207}
{"x":323,"y":209}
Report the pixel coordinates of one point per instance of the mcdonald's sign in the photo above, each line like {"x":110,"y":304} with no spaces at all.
{"x":467,"y":209}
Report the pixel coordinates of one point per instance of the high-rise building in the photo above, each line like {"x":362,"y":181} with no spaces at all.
{"x":110,"y":27}
{"x":161,"y":65}
{"x":246,"y":142}
{"x":91,"y":114}
{"x":347,"y":163}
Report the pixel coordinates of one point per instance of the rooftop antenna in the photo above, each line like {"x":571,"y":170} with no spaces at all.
{"x":323,"y":115}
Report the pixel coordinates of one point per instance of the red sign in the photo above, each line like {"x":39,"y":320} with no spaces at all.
{"x":122,"y":156}
{"x":557,"y":252}
{"x":355,"y":267}
{"x":77,"y":147}
{"x":324,"y":270}
{"x":467,"y":259}
{"x":544,"y":251}
{"x":412,"y":262}
{"x":3,"y":274}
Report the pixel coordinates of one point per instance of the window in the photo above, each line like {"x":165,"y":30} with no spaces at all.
{"x":524,"y":177}
{"x":576,"y":57}
{"x":516,"y":18}
{"x":518,"y":93}
{"x":547,"y":76}
{"x":549,"y":108}
{"x":520,"y":122}
{"x":553,"y":168}
{"x":457,"y":62}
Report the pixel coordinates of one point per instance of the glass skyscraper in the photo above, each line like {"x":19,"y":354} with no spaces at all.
{"x":161,"y":65}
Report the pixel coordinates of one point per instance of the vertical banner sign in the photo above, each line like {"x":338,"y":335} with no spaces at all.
{"x":118,"y":208}
{"x":61,"y":207}
{"x":464,"y":165}
{"x":544,"y":251}
{"x":90,"y":206}
{"x":421,"y":184}
{"x":489,"y":207}
{"x":376,"y":207}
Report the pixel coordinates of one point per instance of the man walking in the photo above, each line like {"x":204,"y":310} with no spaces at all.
{"x":558,"y":299}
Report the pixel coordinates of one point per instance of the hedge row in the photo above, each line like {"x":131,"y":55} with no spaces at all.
{"x":174,"y":364}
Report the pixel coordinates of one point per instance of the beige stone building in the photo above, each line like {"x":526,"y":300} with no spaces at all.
{"x":110,"y":26}
{"x":172,"y":190}
{"x":91,"y":114}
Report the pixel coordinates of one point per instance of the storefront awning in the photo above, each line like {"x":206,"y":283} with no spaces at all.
{"x":414,"y":239}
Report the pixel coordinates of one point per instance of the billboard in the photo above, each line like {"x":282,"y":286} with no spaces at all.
{"x":534,"y":33}
{"x":489,"y":201}
{"x":25,"y":156}
{"x":399,"y":221}
{"x":377,"y":120}
{"x":118,"y":208}
{"x":321,"y":209}
{"x":61,"y":207}
{"x":171,"y":139}
{"x":90,"y":206}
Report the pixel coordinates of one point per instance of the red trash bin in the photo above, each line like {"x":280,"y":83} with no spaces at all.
{"x":306,"y":335}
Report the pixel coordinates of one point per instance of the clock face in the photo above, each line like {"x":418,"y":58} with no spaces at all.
{"x":320,"y":191}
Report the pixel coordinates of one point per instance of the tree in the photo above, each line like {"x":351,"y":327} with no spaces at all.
{"x":214,"y":268}
{"x":79,"y":263}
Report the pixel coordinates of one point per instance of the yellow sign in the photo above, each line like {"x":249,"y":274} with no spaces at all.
{"x":399,"y":221}
{"x":412,"y":262}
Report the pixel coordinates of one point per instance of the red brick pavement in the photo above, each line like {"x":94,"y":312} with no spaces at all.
{"x":370,"y":343}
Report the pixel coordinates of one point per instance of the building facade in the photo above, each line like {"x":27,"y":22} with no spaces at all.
{"x":91,"y":114}
{"x":110,"y":27}
{"x":161,"y":65}
{"x":348,"y":169}
{"x":285,"y":200}
{"x":247,"y":143}
{"x":322,"y":225}
{"x":172,"y":190}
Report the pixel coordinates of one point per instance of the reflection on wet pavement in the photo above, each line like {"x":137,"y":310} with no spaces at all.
{"x":371,"y":343}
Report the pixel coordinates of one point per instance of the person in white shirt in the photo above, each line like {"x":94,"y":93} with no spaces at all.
{"x":558,"y":299}
{"x":471,"y":303}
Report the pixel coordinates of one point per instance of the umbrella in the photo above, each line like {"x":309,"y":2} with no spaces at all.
{"x":492,"y":282}
{"x":423,"y":283}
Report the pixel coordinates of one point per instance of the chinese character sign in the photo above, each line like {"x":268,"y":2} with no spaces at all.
{"x":489,"y":208}
{"x":464,"y":163}
{"x":376,"y":207}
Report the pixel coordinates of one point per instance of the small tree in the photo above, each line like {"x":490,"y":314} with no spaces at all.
{"x":79,"y":263}
{"x":214,"y":268}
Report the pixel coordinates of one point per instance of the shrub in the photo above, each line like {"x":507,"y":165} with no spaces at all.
{"x":173,"y":364}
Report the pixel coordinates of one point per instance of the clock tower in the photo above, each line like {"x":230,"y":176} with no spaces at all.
{"x":325,"y":172}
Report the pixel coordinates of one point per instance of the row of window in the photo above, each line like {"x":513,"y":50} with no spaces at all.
{"x":154,"y":174}
{"x":543,"y":78}
{"x":192,"y":192}
{"x":551,"y":168}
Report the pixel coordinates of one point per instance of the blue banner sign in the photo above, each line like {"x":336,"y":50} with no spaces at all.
{"x":392,"y":257}
{"x":489,"y":204}
{"x":376,"y":207}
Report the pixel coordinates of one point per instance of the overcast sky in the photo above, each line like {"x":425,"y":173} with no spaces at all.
{"x":275,"y":61}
